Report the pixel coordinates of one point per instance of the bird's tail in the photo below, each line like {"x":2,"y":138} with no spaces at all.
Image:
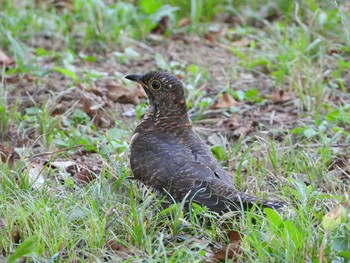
{"x":247,"y":201}
{"x":220,"y":197}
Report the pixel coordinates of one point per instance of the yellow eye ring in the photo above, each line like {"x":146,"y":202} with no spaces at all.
{"x":156,"y":85}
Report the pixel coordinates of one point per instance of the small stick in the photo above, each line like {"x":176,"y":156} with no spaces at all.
{"x":58,"y":151}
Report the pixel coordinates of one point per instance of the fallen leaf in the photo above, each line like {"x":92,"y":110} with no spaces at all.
{"x":242,"y":131}
{"x":231,"y":123}
{"x":184,"y":22}
{"x":89,"y":166}
{"x":117,"y":93}
{"x":16,"y":236}
{"x":95,"y":111}
{"x":64,"y":165}
{"x":34,"y":170}
{"x":229,"y":251}
{"x":115,"y":246}
{"x":243,"y":42}
{"x":84,"y":176}
{"x":90,"y":107}
{"x":6,"y":60}
{"x":209,"y":37}
{"x":279,"y":96}
{"x":236,"y":128}
{"x":225,"y":101}
{"x":8,"y":155}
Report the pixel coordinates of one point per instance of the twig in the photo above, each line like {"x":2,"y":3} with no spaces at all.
{"x":58,"y":151}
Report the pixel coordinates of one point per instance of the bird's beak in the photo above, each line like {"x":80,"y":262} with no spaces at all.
{"x":136,"y":78}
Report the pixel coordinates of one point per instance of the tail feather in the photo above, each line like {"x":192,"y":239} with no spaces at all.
{"x":219,"y":197}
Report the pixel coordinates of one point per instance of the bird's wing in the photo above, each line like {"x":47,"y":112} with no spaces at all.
{"x":202,"y":154}
{"x":173,"y":168}
{"x":202,"y":186}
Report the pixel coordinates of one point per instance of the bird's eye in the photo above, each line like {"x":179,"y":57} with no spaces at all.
{"x":155,"y":84}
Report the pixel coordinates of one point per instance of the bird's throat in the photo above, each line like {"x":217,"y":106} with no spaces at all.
{"x":166,"y":118}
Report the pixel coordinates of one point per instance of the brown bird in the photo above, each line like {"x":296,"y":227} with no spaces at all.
{"x":166,"y":154}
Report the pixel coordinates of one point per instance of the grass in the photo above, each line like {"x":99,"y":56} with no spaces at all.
{"x":48,"y":106}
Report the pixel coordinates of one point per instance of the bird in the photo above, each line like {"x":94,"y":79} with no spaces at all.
{"x":167,"y":155}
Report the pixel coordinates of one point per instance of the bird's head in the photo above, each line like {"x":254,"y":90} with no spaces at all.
{"x":165,"y":93}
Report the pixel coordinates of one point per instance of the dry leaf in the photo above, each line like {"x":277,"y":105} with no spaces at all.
{"x":115,"y":246}
{"x":97,"y":90}
{"x":225,"y":101}
{"x":8,"y":155}
{"x":279,"y":96}
{"x":91,"y":108}
{"x":35,"y":174}
{"x":184,"y":22}
{"x":63,"y":165}
{"x":6,"y":60}
{"x":232,"y":249}
{"x":244,"y":42}
{"x":96,"y":112}
{"x":209,"y":37}
{"x":118,"y":93}
{"x":240,"y":129}
{"x":84,"y":176}
{"x":89,"y":166}
{"x":231,"y":123}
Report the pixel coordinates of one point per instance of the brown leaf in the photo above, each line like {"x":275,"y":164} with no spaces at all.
{"x":63,"y":165}
{"x":244,"y":42}
{"x":231,"y":123}
{"x":84,"y":176}
{"x":118,"y":93}
{"x":184,"y":22}
{"x":236,"y":128}
{"x":232,"y":249}
{"x":119,"y":249}
{"x":225,"y":101}
{"x":8,"y":155}
{"x":90,"y":108}
{"x":114,"y":245}
{"x":6,"y":60}
{"x":97,"y":90}
{"x":279,"y":96}
{"x":96,"y":112}
{"x":89,"y":166}
{"x":16,"y":236}
{"x":210,"y":37}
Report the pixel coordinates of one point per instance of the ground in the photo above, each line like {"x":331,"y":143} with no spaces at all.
{"x":269,"y":93}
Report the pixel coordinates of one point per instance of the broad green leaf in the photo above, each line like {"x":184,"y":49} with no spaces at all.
{"x":23,"y":249}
